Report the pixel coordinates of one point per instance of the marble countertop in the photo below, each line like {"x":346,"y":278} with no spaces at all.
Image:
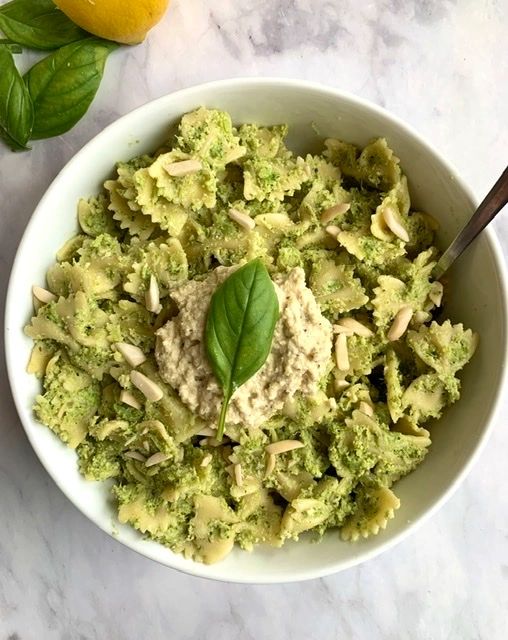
{"x":441,"y":65}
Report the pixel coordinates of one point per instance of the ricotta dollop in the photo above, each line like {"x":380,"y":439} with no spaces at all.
{"x":301,"y":350}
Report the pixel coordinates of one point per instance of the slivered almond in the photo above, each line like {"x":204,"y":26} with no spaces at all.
{"x":127,"y":397}
{"x":340,"y":385}
{"x":135,"y":455}
{"x":337,"y":210}
{"x":366,"y":408}
{"x":332,"y":403}
{"x":206,"y":460}
{"x":400,"y":323}
{"x":237,"y":469}
{"x":333,"y":230}
{"x":436,"y":293}
{"x":131,"y":354}
{"x":241,"y":218}
{"x":43,"y":295}
{"x":355,"y":326}
{"x":183,"y":168}
{"x":394,"y":225}
{"x":338,"y":328}
{"x":148,"y":388}
{"x":282,"y":446}
{"x":341,"y":353}
{"x":157,"y":458}
{"x":270,"y":464}
{"x":152,"y":296}
{"x":203,"y":442}
{"x":206,"y":431}
{"x":213,"y":442}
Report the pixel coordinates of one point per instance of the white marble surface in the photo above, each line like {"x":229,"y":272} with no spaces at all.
{"x":442,"y":65}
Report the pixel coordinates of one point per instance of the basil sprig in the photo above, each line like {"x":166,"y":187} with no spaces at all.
{"x":63,"y":85}
{"x":239,"y":329}
{"x":57,"y":91}
{"x":16,"y":109}
{"x":38,"y":24}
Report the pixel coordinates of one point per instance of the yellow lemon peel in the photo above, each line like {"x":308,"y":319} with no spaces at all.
{"x":124,"y":21}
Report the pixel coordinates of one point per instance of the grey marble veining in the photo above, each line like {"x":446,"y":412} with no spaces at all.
{"x":442,"y":65}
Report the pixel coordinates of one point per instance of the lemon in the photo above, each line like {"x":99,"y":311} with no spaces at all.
{"x":125,"y":21}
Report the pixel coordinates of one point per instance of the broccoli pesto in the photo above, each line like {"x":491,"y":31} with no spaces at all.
{"x":357,"y":371}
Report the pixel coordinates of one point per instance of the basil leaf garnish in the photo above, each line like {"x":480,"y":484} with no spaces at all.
{"x":239,"y":329}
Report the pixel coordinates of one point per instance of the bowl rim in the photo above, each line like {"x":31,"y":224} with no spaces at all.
{"x":213,"y":571}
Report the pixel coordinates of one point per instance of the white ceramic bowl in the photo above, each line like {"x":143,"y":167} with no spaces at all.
{"x":477,"y":298}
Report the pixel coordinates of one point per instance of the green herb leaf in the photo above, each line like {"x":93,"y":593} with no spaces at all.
{"x":63,"y":85}
{"x":12,"y":46}
{"x":239,"y":328}
{"x":16,"y":109}
{"x":38,"y":24}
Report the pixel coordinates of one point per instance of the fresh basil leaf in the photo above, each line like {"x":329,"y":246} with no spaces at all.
{"x":16,"y":109}
{"x":63,"y":85}
{"x":38,"y":24}
{"x":239,"y":328}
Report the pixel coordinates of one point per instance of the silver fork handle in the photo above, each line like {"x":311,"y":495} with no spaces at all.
{"x":494,"y":201}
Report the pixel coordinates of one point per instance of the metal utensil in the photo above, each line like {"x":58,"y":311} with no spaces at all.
{"x":494,"y":201}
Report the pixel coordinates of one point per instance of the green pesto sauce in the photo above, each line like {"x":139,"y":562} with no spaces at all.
{"x":367,"y":425}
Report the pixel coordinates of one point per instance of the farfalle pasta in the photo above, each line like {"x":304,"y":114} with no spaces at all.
{"x":215,"y":195}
